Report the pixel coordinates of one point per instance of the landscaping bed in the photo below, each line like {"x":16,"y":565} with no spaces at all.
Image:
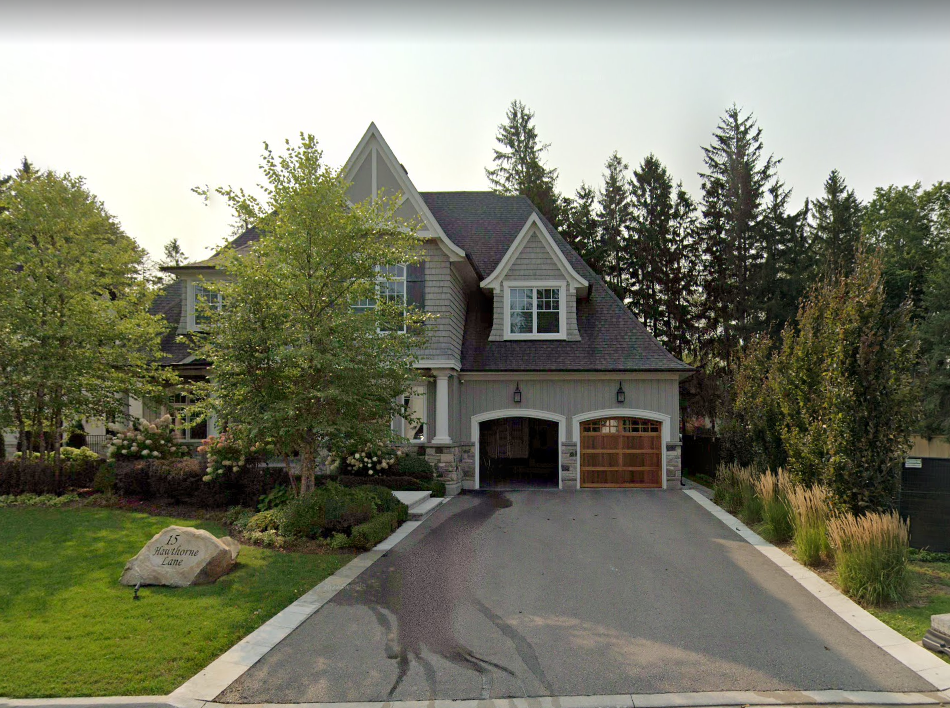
{"x":69,"y":629}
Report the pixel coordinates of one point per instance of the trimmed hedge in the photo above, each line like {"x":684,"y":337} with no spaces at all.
{"x":37,"y":477}
{"x":182,"y":481}
{"x":415,"y":466}
{"x":374,"y":531}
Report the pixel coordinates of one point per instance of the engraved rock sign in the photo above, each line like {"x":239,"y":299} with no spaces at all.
{"x":179,"y":556}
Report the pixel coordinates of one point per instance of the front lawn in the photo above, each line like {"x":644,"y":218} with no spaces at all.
{"x":67,"y":628}
{"x":930,"y":595}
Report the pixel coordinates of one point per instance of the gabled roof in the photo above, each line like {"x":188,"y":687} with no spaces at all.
{"x":373,"y":146}
{"x":534,"y":226}
{"x":486,"y":224}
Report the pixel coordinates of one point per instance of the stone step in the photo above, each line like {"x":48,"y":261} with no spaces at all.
{"x":412,"y":499}
{"x":421,"y":511}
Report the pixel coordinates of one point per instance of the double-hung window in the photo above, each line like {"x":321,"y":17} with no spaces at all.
{"x":390,"y":288}
{"x":534,"y":311}
{"x":205,"y":301}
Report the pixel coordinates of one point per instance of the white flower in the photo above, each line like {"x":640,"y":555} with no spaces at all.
{"x":134,"y":448}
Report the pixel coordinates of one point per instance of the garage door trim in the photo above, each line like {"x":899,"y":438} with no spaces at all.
{"x":662,"y":418}
{"x":519,"y":413}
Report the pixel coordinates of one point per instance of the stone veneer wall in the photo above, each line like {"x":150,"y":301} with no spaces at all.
{"x":453,"y":463}
{"x":569,"y":465}
{"x":674,"y":464}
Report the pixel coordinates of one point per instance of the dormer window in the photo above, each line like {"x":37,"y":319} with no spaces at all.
{"x":535,"y":311}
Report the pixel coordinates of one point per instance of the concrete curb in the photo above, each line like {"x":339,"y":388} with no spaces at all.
{"x":913,"y":656}
{"x":228,"y":667}
{"x":636,"y":700}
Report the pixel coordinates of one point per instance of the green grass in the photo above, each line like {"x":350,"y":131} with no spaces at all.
{"x":67,"y":628}
{"x":930,"y":595}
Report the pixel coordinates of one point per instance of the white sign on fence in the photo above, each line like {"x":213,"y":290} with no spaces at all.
{"x":913,"y":463}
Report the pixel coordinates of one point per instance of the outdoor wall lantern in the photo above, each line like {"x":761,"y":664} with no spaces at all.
{"x":517,"y":396}
{"x":621,"y":394}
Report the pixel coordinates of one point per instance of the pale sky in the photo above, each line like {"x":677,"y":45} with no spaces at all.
{"x":147,"y":102}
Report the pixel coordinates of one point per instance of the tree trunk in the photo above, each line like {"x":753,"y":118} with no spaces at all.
{"x":307,"y":469}
{"x":290,"y":474}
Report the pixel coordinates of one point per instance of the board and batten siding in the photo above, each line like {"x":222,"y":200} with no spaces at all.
{"x":567,"y":397}
{"x":534,"y":262}
{"x":445,"y":300}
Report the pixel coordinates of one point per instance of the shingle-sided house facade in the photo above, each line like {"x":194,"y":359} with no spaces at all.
{"x":534,"y":373}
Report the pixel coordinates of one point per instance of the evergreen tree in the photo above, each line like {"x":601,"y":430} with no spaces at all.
{"x":787,"y":268}
{"x":734,"y":230}
{"x":613,"y":219}
{"x":682,"y":278}
{"x":935,"y":348}
{"x":647,"y":257}
{"x":174,"y":255}
{"x":579,"y":222}
{"x":836,"y":230}
{"x":519,"y":168}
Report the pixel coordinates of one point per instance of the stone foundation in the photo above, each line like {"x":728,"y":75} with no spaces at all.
{"x":674,"y":464}
{"x":569,"y":465}
{"x":453,"y":463}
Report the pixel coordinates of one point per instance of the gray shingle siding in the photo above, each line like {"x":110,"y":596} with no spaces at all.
{"x":445,"y":300}
{"x":533,"y":263}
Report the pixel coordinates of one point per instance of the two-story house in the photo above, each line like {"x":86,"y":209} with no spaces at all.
{"x":534,"y":375}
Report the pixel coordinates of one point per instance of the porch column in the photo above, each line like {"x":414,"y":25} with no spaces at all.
{"x":442,"y":407}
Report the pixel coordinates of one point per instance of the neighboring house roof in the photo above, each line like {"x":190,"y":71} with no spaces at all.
{"x":168,"y":304}
{"x":486,"y":224}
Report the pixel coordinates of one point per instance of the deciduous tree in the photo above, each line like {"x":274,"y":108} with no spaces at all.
{"x":313,"y":349}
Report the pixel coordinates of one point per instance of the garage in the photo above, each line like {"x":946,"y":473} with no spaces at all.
{"x":621,"y":452}
{"x":518,"y":453}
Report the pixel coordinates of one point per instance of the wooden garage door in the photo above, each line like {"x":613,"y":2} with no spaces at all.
{"x":621,"y":452}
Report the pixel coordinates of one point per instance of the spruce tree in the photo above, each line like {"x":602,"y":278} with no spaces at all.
{"x":613,"y":218}
{"x":174,"y":255}
{"x":579,"y":222}
{"x":836,"y":229}
{"x":734,"y":230}
{"x":647,"y":256}
{"x":519,"y":168}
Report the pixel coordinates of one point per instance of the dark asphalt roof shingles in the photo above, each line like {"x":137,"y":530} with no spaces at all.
{"x":484,"y":225}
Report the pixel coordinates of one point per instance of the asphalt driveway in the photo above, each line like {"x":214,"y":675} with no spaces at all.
{"x":552,"y":593}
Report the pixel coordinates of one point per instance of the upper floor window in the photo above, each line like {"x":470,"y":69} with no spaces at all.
{"x":390,"y":287}
{"x":205,"y":301}
{"x":534,"y":311}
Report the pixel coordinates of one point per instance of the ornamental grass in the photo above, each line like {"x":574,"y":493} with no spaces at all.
{"x":751,"y":509}
{"x":811,"y":509}
{"x":773,"y":491}
{"x":871,"y":555}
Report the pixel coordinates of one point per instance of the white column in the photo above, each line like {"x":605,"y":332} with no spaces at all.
{"x":442,"y":407}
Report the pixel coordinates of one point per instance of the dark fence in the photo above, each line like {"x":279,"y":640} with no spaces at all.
{"x":99,"y":444}
{"x":700,"y":455}
{"x":925,"y":500}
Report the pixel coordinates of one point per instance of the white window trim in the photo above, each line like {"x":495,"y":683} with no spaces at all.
{"x":405,"y":296}
{"x":193,"y":303}
{"x":562,"y":300}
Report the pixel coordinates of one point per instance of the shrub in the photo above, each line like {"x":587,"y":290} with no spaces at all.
{"x":368,"y":461}
{"x":922,"y":555}
{"x":773,"y":491}
{"x":304,"y":516}
{"x":179,"y":481}
{"x":415,"y":466}
{"x":237,"y":517}
{"x":227,"y":453}
{"x":104,"y":481}
{"x":276,"y":497}
{"x":82,"y":454}
{"x":871,"y":555}
{"x":339,"y":541}
{"x":148,"y":441}
{"x":44,"y":477}
{"x":265,"y":521}
{"x":397,"y":484}
{"x":49,"y":500}
{"x":267,"y":539}
{"x":345,"y":508}
{"x":810,"y":511}
{"x":367,"y":535}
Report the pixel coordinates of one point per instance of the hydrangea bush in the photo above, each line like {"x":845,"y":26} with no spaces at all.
{"x":228,"y":453}
{"x":147,"y":441}
{"x":369,"y":460}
